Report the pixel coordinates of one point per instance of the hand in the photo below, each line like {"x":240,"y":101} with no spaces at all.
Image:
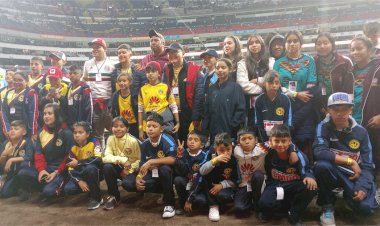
{"x":140,"y":184}
{"x":144,"y":168}
{"x":310,"y":183}
{"x":254,"y":81}
{"x":188,"y":207}
{"x":73,"y":163}
{"x":42,"y":174}
{"x":374,"y":122}
{"x":357,"y":171}
{"x":141,"y":135}
{"x":124,"y":173}
{"x":138,"y":67}
{"x":51,"y":177}
{"x":224,"y":158}
{"x":216,"y":189}
{"x":84,"y":186}
{"x":175,"y":128}
{"x":180,"y":148}
{"x":304,"y":96}
{"x":293,"y":158}
{"x":8,"y":165}
{"x":196,"y":124}
{"x":34,"y":138}
{"x":127,"y":165}
{"x":359,"y":196}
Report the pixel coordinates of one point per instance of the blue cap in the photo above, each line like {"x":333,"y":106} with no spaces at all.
{"x":210,"y":52}
{"x":174,"y":46}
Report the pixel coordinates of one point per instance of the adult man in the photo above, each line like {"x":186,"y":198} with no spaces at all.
{"x":209,"y":60}
{"x":97,"y":72}
{"x":157,"y":45}
{"x":185,"y":80}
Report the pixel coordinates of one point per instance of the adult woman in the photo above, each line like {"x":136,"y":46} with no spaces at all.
{"x":232,"y":51}
{"x":20,"y":103}
{"x":298,"y":77}
{"x":334,"y":71}
{"x":53,"y":145}
{"x":224,"y":107}
{"x":250,"y":72}
{"x":367,"y":91}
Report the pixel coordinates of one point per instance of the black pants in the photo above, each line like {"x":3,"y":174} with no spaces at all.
{"x":111,"y":174}
{"x":196,"y":196}
{"x":244,"y":199}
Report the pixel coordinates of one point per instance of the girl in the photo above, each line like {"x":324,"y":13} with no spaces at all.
{"x":155,"y":96}
{"x":366,"y":92}
{"x":52,"y":148}
{"x":276,"y":49}
{"x":334,"y":71}
{"x":84,"y":163}
{"x":123,"y":104}
{"x":272,"y":107}
{"x":121,"y":158}
{"x":15,"y":154}
{"x":232,"y":51}
{"x":225,"y":103}
{"x":250,"y":72}
{"x":298,"y":77}
{"x":20,"y":103}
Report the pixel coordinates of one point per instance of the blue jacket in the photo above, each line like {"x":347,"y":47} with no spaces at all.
{"x":353,"y":142}
{"x":81,"y":108}
{"x":114,"y":104}
{"x":166,"y":147}
{"x":139,"y":79}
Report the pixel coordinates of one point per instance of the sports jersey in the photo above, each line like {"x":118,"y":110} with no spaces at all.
{"x":165,"y":147}
{"x":359,"y":75}
{"x":126,"y":110}
{"x":79,"y":104}
{"x":155,"y":98}
{"x":296,"y":75}
{"x":270,"y":113}
{"x":120,"y":150}
{"x":37,"y":83}
{"x":98,"y":75}
{"x":250,"y":162}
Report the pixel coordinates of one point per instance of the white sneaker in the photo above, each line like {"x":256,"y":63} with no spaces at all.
{"x":168,"y":212}
{"x":213,"y":214}
{"x":327,"y":217}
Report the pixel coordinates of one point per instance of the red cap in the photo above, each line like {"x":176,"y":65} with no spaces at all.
{"x":98,"y":41}
{"x":54,"y":72}
{"x":154,"y":64}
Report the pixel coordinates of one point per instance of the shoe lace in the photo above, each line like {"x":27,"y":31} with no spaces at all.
{"x":327,"y":214}
{"x":168,"y":209}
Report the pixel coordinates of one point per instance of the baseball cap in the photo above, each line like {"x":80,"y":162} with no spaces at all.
{"x":155,"y":65}
{"x":153,"y":33}
{"x":340,"y":98}
{"x":174,"y":46}
{"x":54,"y":72}
{"x":60,"y":55}
{"x":98,"y":41}
{"x":210,"y":52}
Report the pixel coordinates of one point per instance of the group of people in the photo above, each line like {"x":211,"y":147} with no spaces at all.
{"x":267,"y":130}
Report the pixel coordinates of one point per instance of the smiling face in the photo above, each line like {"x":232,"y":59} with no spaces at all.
{"x":323,"y":46}
{"x":359,"y":52}
{"x":124,"y":55}
{"x":123,"y":82}
{"x":280,"y":144}
{"x":49,"y":117}
{"x":119,"y":129}
{"x":222,"y":70}
{"x":98,"y":52}
{"x":19,"y":82}
{"x":175,"y":57}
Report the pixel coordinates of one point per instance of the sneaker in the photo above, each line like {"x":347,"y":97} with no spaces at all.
{"x":168,"y":212}
{"x":24,"y":195}
{"x":111,"y":203}
{"x":179,"y":211}
{"x":93,"y":204}
{"x":293,"y":220}
{"x":262,"y":218}
{"x":213,"y":214}
{"x":327,"y":217}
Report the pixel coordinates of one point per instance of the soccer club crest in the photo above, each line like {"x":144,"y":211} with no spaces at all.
{"x":21,"y":153}
{"x":227,"y":173}
{"x":195,"y":167}
{"x":39,"y":85}
{"x":76,"y":97}
{"x":21,"y":98}
{"x":59,"y":142}
{"x":291,"y":170}
{"x":280,"y":111}
{"x":160,"y":154}
{"x":354,"y":144}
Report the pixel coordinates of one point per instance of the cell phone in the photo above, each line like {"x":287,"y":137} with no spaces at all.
{"x":52,"y":90}
{"x":44,"y":177}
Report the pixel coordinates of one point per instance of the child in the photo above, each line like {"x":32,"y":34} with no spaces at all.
{"x":78,"y":98}
{"x":84,"y":165}
{"x":124,"y":104}
{"x":343,"y":157}
{"x":250,"y":158}
{"x":372,"y":31}
{"x":290,"y":186}
{"x":121,"y":158}
{"x":15,"y":152}
{"x":36,"y":80}
{"x":155,"y":174}
{"x":221,"y":175}
{"x":188,"y":183}
{"x":272,"y":107}
{"x":155,"y":96}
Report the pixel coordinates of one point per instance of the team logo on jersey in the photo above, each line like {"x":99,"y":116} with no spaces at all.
{"x":128,"y":151}
{"x":160,"y":91}
{"x":227,"y":173}
{"x":247,"y":167}
{"x":58,"y":143}
{"x":291,"y":170}
{"x":160,"y":154}
{"x":98,"y":150}
{"x":39,"y":85}
{"x":280,"y":111}
{"x":76,"y":97}
{"x":154,"y":100}
{"x":21,"y":153}
{"x":195,"y":167}
{"x":354,"y":144}
{"x":21,"y":98}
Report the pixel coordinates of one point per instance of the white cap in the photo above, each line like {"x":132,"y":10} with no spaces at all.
{"x":340,"y":98}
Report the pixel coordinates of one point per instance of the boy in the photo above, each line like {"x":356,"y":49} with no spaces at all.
{"x":15,"y":153}
{"x":188,"y":183}
{"x":78,"y":98}
{"x":158,"y":154}
{"x":290,"y":186}
{"x":372,"y":31}
{"x":343,"y":157}
{"x":36,"y":79}
{"x":221,"y":175}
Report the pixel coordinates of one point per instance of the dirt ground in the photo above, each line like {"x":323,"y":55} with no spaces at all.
{"x":137,"y":210}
